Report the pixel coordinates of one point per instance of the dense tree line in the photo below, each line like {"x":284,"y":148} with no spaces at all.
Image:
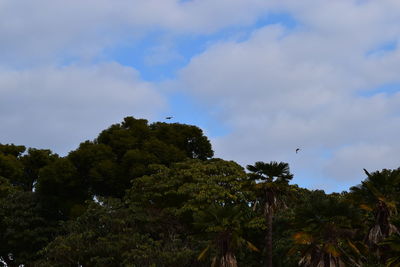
{"x":145,"y":194}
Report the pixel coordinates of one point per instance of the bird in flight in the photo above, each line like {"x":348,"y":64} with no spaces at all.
{"x":297,"y":150}
{"x":168,"y":118}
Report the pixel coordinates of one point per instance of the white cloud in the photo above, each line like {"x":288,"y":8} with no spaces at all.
{"x":46,"y":30}
{"x":61,"y":107}
{"x":278,"y":90}
{"x":282,"y":89}
{"x":347,"y":163}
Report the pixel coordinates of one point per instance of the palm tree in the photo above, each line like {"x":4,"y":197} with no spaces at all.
{"x":325,"y":231}
{"x":378,"y":195}
{"x":224,"y":227}
{"x":394,"y":244}
{"x":272,"y":181}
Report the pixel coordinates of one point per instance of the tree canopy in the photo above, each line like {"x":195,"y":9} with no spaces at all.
{"x":151,"y":194}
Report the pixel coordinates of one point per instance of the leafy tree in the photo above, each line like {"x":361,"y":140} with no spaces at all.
{"x":11,"y":149}
{"x":133,"y":133}
{"x":125,"y":151}
{"x":24,"y":229}
{"x":127,"y":135}
{"x":187,"y":138}
{"x":273,"y":179}
{"x":11,"y":168}
{"x":23,"y":169}
{"x":190,"y":186}
{"x":32,"y":163}
{"x":107,"y":234}
{"x":194,"y":192}
{"x":149,"y":194}
{"x":98,"y":169}
{"x":61,"y":190}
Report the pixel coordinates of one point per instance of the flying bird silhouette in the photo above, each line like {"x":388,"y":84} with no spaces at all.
{"x":168,"y":118}
{"x":297,"y":150}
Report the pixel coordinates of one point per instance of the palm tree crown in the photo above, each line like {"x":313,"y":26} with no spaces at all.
{"x":272,"y":181}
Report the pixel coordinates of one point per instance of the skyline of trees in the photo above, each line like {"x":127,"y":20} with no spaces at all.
{"x":145,"y":194}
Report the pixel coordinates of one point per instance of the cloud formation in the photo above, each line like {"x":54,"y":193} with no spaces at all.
{"x":44,"y":31}
{"x":276,"y":88}
{"x":58,"y":108}
{"x":284,"y":88}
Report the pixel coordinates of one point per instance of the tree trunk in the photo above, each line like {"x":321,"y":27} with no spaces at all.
{"x":268,"y":239}
{"x":228,"y":260}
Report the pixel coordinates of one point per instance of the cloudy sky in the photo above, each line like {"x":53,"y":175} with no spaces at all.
{"x":260,"y":77}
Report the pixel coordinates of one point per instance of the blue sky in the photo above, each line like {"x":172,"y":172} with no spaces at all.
{"x":261,"y":78}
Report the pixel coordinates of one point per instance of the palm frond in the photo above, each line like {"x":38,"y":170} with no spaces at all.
{"x":203,"y":253}
{"x":252,"y":247}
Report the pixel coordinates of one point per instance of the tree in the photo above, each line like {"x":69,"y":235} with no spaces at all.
{"x":24,"y":229}
{"x":378,"y":197}
{"x":125,"y":151}
{"x":33,"y":162}
{"x":23,"y":169}
{"x":11,"y":168}
{"x":273,"y":179}
{"x":133,"y":133}
{"x":187,"y":138}
{"x":326,"y":226}
{"x":109,"y":234}
{"x":11,"y":149}
{"x":393,"y":242}
{"x":224,"y":226}
{"x":188,"y":194}
{"x":96,"y":166}
{"x":61,"y":190}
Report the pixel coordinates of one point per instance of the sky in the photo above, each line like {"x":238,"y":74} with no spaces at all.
{"x":260,"y":77}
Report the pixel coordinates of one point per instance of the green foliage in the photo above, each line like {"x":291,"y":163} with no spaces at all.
{"x":325,"y":231}
{"x":393,"y":242}
{"x":145,"y":194}
{"x":11,"y":168}
{"x":33,"y":162}
{"x":107,"y":234}
{"x":224,"y":227}
{"x":11,"y":149}
{"x":379,"y":187}
{"x":24,"y":229}
{"x":125,"y":151}
{"x":378,"y":197}
{"x":209,"y":198}
{"x":273,"y":179}
{"x":191,"y":186}
{"x":23,"y":169}
{"x":187,"y":138}
{"x":283,"y":231}
{"x":134,"y":134}
{"x":270,"y":172}
{"x":61,"y":190}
